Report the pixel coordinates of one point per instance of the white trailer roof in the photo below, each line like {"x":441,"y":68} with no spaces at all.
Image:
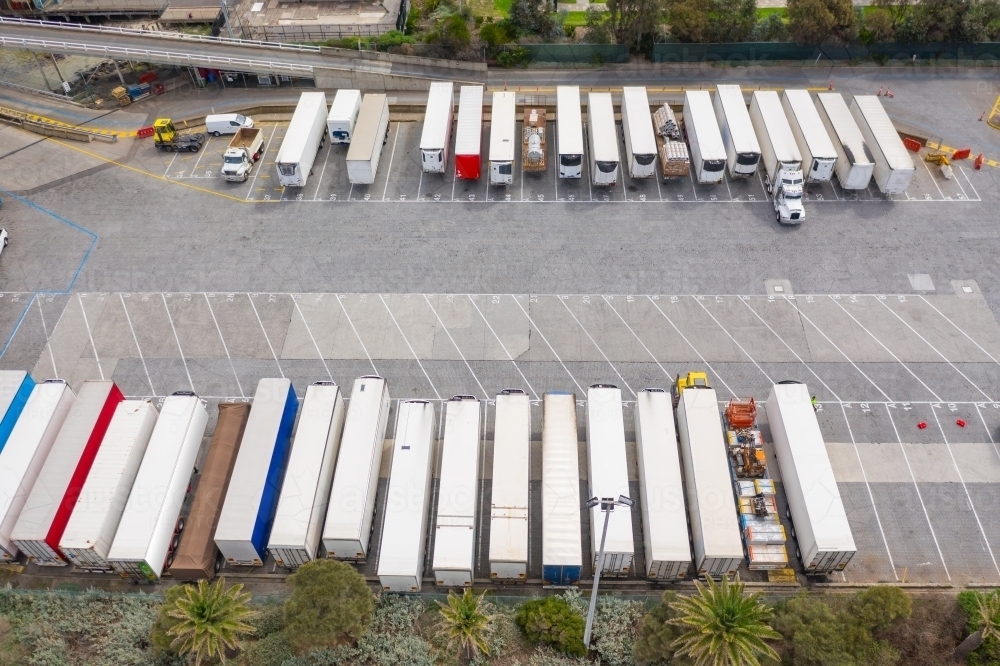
{"x":569,"y":124}
{"x":440,"y":100}
{"x":301,"y":497}
{"x":344,"y":103}
{"x":660,"y":480}
{"x":790,"y":406}
{"x":503,"y":127}
{"x":401,"y":548}
{"x":712,"y":483}
{"x":698,"y":104}
{"x":97,"y":512}
{"x":28,"y":445}
{"x":511,"y":456}
{"x":360,"y":450}
{"x":311,"y":104}
{"x":601,"y":115}
{"x":884,"y":132}
{"x":469,"y":131}
{"x":635,"y":103}
{"x":608,"y":467}
{"x":253,"y":462}
{"x":161,"y":483}
{"x":778,"y":129}
{"x":738,"y":118}
{"x":366,"y":140}
{"x":845,"y":127}
{"x":456,"y":509}
{"x":560,"y":481}
{"x":802,"y":107}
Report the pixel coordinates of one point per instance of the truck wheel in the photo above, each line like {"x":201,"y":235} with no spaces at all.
{"x":194,"y":149}
{"x":777,"y":216}
{"x":169,"y":149}
{"x":216,"y":134}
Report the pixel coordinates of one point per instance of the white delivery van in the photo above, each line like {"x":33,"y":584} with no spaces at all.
{"x":226,"y":123}
{"x":343,"y":115}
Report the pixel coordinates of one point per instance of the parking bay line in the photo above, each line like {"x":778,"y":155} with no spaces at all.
{"x":48,"y":338}
{"x":950,"y":321}
{"x":224,"y":345}
{"x":551,"y":348}
{"x":100,"y":370}
{"x":594,"y":342}
{"x":471,"y":371}
{"x":163,"y":297}
{"x":392,"y":155}
{"x":340,"y":299}
{"x":502,"y":345}
{"x":412,"y":351}
{"x":698,"y":300}
{"x":312,"y":337}
{"x":261,"y":168}
{"x":266,"y":337}
{"x":135,"y":338}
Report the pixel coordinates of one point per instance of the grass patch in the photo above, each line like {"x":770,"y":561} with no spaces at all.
{"x":764,"y":12}
{"x":502,"y":6}
{"x":575,"y":19}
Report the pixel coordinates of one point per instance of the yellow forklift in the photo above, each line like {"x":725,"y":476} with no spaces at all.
{"x":169,"y":139}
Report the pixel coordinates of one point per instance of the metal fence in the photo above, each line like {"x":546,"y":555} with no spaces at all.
{"x":312,"y":33}
{"x":578,"y":53}
{"x":763,"y":51}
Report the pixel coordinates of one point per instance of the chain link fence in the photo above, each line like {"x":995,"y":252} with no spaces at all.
{"x":578,"y":53}
{"x":763,"y":51}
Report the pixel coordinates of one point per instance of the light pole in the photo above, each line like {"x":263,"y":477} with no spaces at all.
{"x":608,"y":505}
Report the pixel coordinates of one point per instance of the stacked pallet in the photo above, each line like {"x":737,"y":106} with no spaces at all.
{"x":673,"y":151}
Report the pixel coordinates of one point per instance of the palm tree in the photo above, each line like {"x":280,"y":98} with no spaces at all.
{"x":724,"y":626}
{"x":211,"y":620}
{"x":465,"y":622}
{"x":988,"y":614}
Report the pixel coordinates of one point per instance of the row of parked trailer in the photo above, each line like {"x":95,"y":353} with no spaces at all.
{"x":98,"y":481}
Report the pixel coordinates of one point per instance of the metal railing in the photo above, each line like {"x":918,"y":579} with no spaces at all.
{"x":105,"y":30}
{"x":165,"y":57}
{"x":36,"y":91}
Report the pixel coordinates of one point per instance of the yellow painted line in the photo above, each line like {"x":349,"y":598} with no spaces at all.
{"x":949,"y":149}
{"x":147,"y":173}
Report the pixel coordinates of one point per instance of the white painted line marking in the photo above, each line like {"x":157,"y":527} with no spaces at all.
{"x":968,"y":497}
{"x":502,"y":346}
{"x":594,"y":342}
{"x":782,"y":340}
{"x":48,"y":343}
{"x":178,"y":341}
{"x":931,"y":176}
{"x":224,"y":345}
{"x":392,"y":155}
{"x":266,"y":337}
{"x":90,"y":335}
{"x":693,"y":189}
{"x":420,"y":183}
{"x":260,"y":165}
{"x":454,"y":182}
{"x":725,"y":179}
{"x":936,"y":351}
{"x":636,"y":335}
{"x":987,"y":428}
{"x":978,"y":198}
{"x":916,"y":487}
{"x":166,"y":174}
{"x":724,"y":330}
{"x":350,"y":192}
{"x":312,"y":337}
{"x":590,"y":187}
{"x":657,"y":178}
{"x":340,"y":299}
{"x":471,"y":371}
{"x":872,"y":335}
{"x":693,"y":348}
{"x":871,"y":497}
{"x":201,"y":153}
{"x":322,"y":171}
{"x":137,"y":347}
{"x":842,"y":353}
{"x":412,"y":351}
{"x":542,"y":335}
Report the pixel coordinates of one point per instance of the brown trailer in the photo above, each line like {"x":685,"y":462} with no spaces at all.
{"x":197,"y":557}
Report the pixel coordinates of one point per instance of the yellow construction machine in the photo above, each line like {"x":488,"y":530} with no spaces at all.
{"x":167,"y":138}
{"x":690,"y":380}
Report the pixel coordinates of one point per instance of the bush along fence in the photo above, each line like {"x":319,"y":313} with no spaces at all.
{"x":757,"y":51}
{"x":572,"y":53}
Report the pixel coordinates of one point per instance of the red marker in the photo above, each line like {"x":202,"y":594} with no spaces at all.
{"x":960,"y":423}
{"x":922,"y":425}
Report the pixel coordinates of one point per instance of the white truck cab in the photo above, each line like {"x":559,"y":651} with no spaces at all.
{"x":786,"y":196}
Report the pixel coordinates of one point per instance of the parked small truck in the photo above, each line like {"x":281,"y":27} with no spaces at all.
{"x":243,"y":152}
{"x":166,"y":137}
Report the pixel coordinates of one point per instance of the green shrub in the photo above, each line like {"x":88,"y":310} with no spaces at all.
{"x":989,"y":651}
{"x":551,"y":620}
{"x":496,"y":34}
{"x":393,"y":38}
{"x":454,"y":33}
{"x":330,"y":604}
{"x":656,"y":635}
{"x":878,"y":607}
{"x":515,"y":57}
{"x":272,"y":650}
{"x":616,"y":626}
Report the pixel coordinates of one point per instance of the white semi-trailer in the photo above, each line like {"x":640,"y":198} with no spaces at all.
{"x":303,"y":140}
{"x":825,"y":542}
{"x":370,"y":134}
{"x":742,"y":149}
{"x":343,"y":115}
{"x":404,"y":526}
{"x":637,"y":126}
{"x":781,"y":156}
{"x":305,"y":492}
{"x":436,"y":135}
{"x":819,"y":157}
{"x":348,"y":525}
{"x":562,"y":550}
{"x":855,"y":162}
{"x":715,"y":531}
{"x":608,"y":476}
{"x":893,"y":165}
{"x":664,"y":517}
{"x":569,"y":131}
{"x":455,"y":528}
{"x":603,"y":136}
{"x":708,"y":153}
{"x":509,"y":505}
{"x":503,"y":131}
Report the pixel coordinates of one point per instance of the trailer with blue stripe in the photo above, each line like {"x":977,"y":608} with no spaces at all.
{"x":15,"y":387}
{"x":248,"y":511}
{"x":562,"y":550}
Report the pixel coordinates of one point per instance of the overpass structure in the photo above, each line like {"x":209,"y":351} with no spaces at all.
{"x":330,"y":68}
